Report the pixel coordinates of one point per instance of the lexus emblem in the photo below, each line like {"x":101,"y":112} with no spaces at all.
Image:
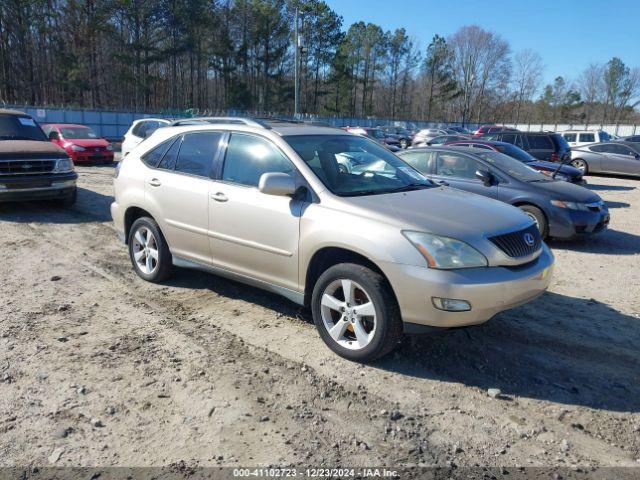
{"x":529,"y":240}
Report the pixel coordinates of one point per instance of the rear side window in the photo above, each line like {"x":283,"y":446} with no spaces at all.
{"x":421,"y":161}
{"x":197,"y":153}
{"x":248,"y":157}
{"x":168,"y":162}
{"x":540,"y":142}
{"x":570,"y":137}
{"x":152,"y":157}
{"x":587,"y":137}
{"x":457,"y":166}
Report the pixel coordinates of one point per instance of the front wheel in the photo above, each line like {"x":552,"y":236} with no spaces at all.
{"x":538,"y":218}
{"x":581,"y":165}
{"x":149,"y":251}
{"x":356,"y":313}
{"x":404,"y":143}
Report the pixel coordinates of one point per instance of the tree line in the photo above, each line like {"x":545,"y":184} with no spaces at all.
{"x":216,"y":55}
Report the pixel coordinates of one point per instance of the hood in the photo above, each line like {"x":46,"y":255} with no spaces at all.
{"x":88,"y":142}
{"x":31,"y":149}
{"x":551,"y":167}
{"x":444,"y":211}
{"x":565,"y":191}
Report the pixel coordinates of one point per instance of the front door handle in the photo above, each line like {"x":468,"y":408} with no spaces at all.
{"x":219,"y":197}
{"x":154,"y":182}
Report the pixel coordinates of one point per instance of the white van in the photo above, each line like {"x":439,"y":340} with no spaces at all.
{"x":577,"y":138}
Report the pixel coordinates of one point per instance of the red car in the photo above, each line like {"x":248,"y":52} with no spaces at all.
{"x":484,"y":129}
{"x":80,"y":142}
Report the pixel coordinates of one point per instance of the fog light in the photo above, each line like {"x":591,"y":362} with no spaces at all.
{"x":451,"y":304}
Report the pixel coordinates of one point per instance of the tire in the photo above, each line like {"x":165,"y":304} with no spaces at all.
{"x":69,"y":200}
{"x":537,"y":216}
{"x":382,"y":330}
{"x":581,"y":165}
{"x":404,"y":143}
{"x":151,"y":268}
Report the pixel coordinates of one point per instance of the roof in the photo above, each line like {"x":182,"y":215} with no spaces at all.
{"x":280,"y":126}
{"x":6,"y":111}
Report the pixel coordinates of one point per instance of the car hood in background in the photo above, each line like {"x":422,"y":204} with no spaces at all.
{"x":444,"y":211}
{"x":17,"y":149}
{"x":565,"y":191}
{"x":88,"y":142}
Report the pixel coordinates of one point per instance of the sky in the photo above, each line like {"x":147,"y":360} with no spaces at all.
{"x":568,"y":34}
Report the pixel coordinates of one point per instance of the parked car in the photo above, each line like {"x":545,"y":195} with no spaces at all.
{"x":373,"y":254}
{"x":486,"y":129}
{"x":390,"y":141}
{"x":139,"y":130}
{"x":31,"y":167}
{"x":566,"y":173}
{"x":427,"y":134}
{"x":632,"y":138}
{"x":547,"y":146}
{"x":621,"y":158}
{"x":442,"y":139}
{"x":576,"y":138}
{"x":80,"y":142}
{"x":403,"y":135}
{"x":559,"y":209}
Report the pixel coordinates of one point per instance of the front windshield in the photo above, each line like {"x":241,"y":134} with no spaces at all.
{"x":79,"y":133}
{"x":513,"y":167}
{"x":515,"y":152}
{"x":13,"y":127}
{"x":349,"y":165}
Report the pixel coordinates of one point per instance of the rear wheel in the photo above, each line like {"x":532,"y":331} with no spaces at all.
{"x":355,"y":312}
{"x":581,"y":165}
{"x":404,"y":143}
{"x":538,"y":218}
{"x":149,"y":251}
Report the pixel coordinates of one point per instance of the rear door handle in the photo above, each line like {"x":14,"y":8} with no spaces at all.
{"x":219,"y":197}
{"x":154,"y":182}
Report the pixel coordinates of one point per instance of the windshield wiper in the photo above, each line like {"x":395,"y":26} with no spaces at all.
{"x":410,"y":186}
{"x":404,"y":188}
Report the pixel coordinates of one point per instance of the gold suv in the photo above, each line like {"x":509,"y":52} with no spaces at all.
{"x":330,"y":220}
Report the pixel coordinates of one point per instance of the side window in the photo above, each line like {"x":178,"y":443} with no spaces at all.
{"x":421,"y":161}
{"x":454,"y":165}
{"x":598,"y":148}
{"x":622,"y":150}
{"x":509,"y":138}
{"x":521,"y":142}
{"x":197,"y":152}
{"x":152,"y":157}
{"x":47,"y":129}
{"x":139,"y":129}
{"x":540,"y":142}
{"x":570,"y":137}
{"x":248,"y":157}
{"x":169,"y":160}
{"x":587,"y":137}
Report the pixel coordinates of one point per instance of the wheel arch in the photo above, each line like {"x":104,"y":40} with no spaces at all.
{"x":131,"y":215}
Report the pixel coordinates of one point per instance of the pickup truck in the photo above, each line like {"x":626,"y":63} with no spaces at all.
{"x":31,"y":167}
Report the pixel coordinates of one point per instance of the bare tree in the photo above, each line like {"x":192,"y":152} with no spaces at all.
{"x":527,"y":75}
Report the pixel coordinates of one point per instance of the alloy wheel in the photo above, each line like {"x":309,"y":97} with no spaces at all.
{"x":145,"y":250}
{"x":348,"y":314}
{"x":580,"y":165}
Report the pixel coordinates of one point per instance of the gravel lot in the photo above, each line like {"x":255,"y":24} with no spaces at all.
{"x":100,"y":368}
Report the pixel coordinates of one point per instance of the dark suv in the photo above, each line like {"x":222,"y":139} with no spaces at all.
{"x":31,"y":167}
{"x":404,"y":136}
{"x":546,"y":146}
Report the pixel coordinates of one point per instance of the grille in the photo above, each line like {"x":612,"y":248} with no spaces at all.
{"x":26,"y":167}
{"x":514,"y":243}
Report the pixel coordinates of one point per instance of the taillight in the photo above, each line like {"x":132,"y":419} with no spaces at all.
{"x":554,"y":157}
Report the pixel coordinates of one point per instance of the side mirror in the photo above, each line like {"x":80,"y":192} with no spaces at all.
{"x":53,"y":135}
{"x":485,"y":177}
{"x":281,"y":184}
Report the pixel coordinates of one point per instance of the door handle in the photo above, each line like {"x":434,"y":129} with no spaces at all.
{"x":442,"y":182}
{"x":219,"y":197}
{"x":154,"y":182}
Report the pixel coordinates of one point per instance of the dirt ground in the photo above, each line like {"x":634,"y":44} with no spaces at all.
{"x":99,"y":368}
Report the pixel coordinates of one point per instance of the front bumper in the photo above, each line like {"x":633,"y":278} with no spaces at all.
{"x":105,"y":156}
{"x":489,"y":290}
{"x":567,"y":224}
{"x":37,"y":187}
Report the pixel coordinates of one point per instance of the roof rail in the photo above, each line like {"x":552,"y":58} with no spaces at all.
{"x":214,"y":120}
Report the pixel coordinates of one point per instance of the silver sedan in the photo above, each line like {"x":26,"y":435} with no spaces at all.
{"x":621,"y":158}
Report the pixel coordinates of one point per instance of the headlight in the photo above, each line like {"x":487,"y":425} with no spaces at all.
{"x":64,"y":165}
{"x":110,"y":147}
{"x":570,"y":205}
{"x":77,"y":148}
{"x":445,"y":253}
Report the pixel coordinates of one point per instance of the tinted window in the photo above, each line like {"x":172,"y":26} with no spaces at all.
{"x":623,"y":150}
{"x":513,"y":167}
{"x":540,"y":142}
{"x":587,"y":137}
{"x":248,"y":157}
{"x":146,"y":128}
{"x":456,"y":165}
{"x":13,"y":127}
{"x":515,"y":152}
{"x":604,"y":137}
{"x":197,"y":152}
{"x":152,"y":157}
{"x":633,"y":139}
{"x":570,"y":137}
{"x":606,"y":148}
{"x":169,"y":160}
{"x":509,"y":138}
{"x":421,"y":161}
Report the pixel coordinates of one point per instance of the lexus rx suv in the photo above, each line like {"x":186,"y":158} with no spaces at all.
{"x":374,"y":249}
